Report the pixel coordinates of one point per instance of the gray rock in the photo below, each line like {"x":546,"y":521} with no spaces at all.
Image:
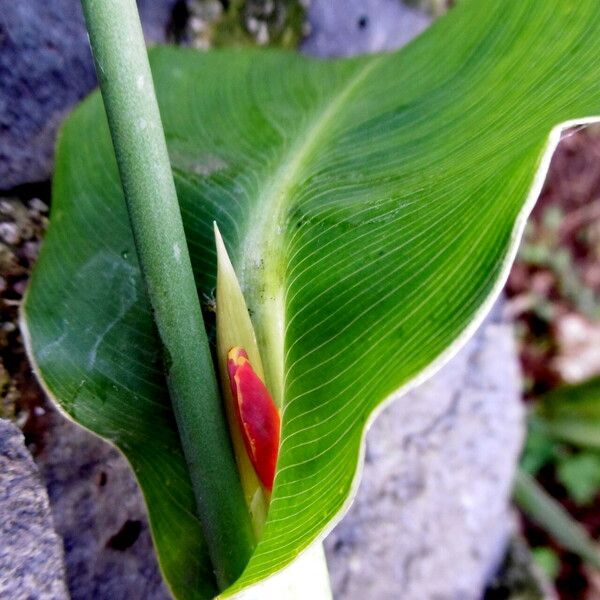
{"x":31,"y":560}
{"x":431,"y":519}
{"x":346,"y":27}
{"x":99,"y":511}
{"x":45,"y":68}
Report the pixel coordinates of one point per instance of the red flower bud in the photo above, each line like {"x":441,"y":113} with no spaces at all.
{"x":257,"y":415}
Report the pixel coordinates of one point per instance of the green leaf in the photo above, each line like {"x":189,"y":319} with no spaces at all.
{"x":540,"y":447}
{"x":580,"y":400}
{"x":580,"y":474}
{"x":571,"y":413}
{"x":547,"y":560}
{"x":542,"y":508}
{"x":371,"y":208}
{"x":574,"y":431}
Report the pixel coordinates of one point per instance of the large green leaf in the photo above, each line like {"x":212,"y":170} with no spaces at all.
{"x":371,"y":207}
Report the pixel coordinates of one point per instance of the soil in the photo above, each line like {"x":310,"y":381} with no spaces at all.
{"x":23,"y":221}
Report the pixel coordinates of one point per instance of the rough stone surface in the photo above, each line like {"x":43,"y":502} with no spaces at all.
{"x":99,"y":512}
{"x":31,"y":558}
{"x":431,"y":519}
{"x":45,"y":68}
{"x":345,"y":27}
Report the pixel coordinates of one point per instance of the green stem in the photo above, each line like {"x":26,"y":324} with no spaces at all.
{"x":540,"y":507}
{"x":126,"y":83}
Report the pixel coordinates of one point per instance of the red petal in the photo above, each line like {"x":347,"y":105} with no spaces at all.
{"x":257,"y":415}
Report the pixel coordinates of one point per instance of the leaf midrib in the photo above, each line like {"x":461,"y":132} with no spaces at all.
{"x":263,"y":274}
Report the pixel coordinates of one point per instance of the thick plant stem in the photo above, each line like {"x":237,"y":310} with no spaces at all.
{"x":135,"y":125}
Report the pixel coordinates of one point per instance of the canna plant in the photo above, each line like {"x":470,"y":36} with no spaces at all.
{"x":369,"y":209}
